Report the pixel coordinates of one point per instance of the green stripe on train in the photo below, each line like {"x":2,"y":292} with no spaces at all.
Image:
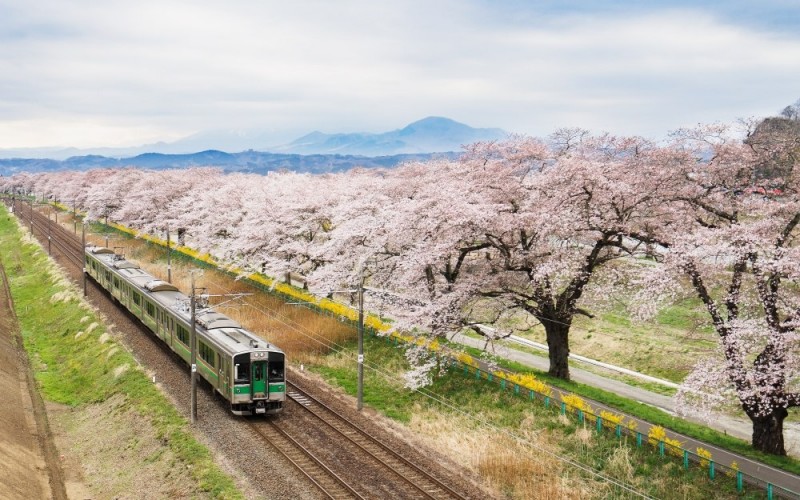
{"x":277,"y":388}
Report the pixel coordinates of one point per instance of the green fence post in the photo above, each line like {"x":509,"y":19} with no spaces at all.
{"x":661,"y":448}
{"x":580,"y":416}
{"x":477,"y":373}
{"x":516,"y":388}
{"x":639,"y":439}
{"x":711,"y":469}
{"x":685,"y":459}
{"x":466,"y":369}
{"x":563,"y":408}
{"x":619,"y":431}
{"x":489,"y":376}
{"x":769,"y":491}
{"x":739,"y":481}
{"x":546,"y":401}
{"x":530,"y":394}
{"x":599,"y":424}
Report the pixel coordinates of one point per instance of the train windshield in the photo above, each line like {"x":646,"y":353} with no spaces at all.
{"x":242,"y":369}
{"x":276,"y":367}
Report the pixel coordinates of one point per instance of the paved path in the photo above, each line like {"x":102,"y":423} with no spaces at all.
{"x":729,"y":425}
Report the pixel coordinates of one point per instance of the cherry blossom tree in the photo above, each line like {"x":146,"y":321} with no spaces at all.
{"x":738,"y":248}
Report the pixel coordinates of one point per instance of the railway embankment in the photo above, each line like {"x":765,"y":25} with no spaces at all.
{"x":28,"y":464}
{"x":113,"y":433}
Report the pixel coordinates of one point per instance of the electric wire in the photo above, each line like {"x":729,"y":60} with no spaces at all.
{"x":451,"y":406}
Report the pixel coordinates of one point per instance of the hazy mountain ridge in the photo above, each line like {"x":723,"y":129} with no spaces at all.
{"x":247,"y":161}
{"x":316,"y":152}
{"x":432,"y":134}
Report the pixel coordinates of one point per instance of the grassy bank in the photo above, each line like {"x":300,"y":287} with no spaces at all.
{"x":78,"y":363}
{"x":655,"y":416}
{"x":522,"y":448}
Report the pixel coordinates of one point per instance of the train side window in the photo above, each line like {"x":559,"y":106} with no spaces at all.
{"x":207,"y":354}
{"x":137,"y":299}
{"x":183,"y":335}
{"x":116,"y":282}
{"x":150,"y":309}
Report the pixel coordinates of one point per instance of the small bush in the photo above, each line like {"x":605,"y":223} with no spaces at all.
{"x":705,"y":457}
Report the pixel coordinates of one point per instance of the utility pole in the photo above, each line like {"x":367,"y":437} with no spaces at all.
{"x":49,"y":233}
{"x":83,"y":241}
{"x":169,"y":263}
{"x":193,"y":303}
{"x":360,"y":403}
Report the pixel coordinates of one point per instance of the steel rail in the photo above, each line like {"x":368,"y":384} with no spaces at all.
{"x":328,"y":482}
{"x":433,"y":488}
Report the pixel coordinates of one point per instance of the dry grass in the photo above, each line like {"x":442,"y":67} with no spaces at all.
{"x":513,"y":468}
{"x":303,"y":335}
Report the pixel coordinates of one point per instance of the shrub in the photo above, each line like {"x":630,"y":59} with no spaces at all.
{"x":610,"y":419}
{"x":705,"y":457}
{"x":575,"y":403}
{"x":530,"y":382}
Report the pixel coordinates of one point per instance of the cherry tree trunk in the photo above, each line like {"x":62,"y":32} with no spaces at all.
{"x":558,"y":348}
{"x":768,"y":432}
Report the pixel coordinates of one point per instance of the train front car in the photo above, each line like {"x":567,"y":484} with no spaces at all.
{"x":259,"y":382}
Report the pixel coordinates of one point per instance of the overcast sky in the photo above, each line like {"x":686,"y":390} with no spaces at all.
{"x":92,"y":73}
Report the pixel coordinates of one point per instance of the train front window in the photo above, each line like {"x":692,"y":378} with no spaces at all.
{"x":241,"y":369}
{"x":276,"y":371}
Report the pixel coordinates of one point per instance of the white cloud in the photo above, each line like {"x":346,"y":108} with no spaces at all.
{"x":97,"y":73}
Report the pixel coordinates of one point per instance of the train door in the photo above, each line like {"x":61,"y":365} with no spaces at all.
{"x":225,"y":378}
{"x":163,"y":325}
{"x":259,"y":378}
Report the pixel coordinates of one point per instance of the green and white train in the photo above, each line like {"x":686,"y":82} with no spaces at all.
{"x":246,"y":370}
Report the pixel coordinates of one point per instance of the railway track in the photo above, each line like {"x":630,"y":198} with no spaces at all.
{"x":328,"y":482}
{"x":418,"y":482}
{"x":49,"y":231}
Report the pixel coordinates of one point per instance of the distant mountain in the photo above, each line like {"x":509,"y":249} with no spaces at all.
{"x":246,"y":161}
{"x":429,"y":135}
{"x":315,"y":152}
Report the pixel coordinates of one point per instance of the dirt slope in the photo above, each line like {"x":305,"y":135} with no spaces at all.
{"x":28,"y":459}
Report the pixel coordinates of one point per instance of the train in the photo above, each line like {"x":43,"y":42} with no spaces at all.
{"x":247,"y":371}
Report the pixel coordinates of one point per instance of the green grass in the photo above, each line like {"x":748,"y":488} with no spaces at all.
{"x":76,"y":366}
{"x":654,"y":416}
{"x":503,"y":410}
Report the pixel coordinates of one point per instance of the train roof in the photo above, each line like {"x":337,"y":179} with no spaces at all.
{"x":217,"y":327}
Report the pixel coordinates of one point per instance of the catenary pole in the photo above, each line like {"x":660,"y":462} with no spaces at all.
{"x":49,"y":229}
{"x":194,"y":355}
{"x":169,"y":263}
{"x":83,"y":243}
{"x":360,"y":403}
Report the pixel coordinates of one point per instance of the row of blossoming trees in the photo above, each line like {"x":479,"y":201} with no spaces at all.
{"x":515,"y":233}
